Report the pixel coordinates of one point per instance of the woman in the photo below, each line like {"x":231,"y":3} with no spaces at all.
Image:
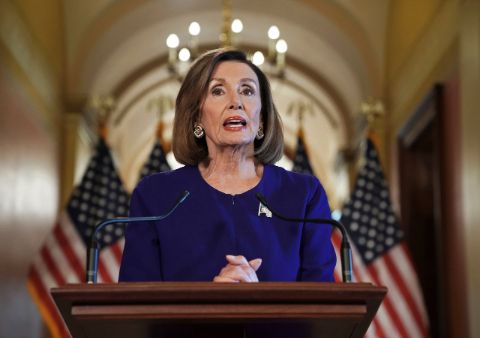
{"x":228,"y":134}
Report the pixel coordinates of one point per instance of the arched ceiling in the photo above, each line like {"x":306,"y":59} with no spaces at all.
{"x":342,"y":41}
{"x":335,"y":55}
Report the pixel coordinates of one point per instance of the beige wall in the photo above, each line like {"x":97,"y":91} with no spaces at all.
{"x":470,"y":83}
{"x":45,"y":22}
{"x":428,"y":40}
{"x":31,"y":63}
{"x":422,"y":45}
{"x":407,"y":21}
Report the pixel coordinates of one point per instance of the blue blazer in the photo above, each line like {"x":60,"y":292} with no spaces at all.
{"x":191,"y":244}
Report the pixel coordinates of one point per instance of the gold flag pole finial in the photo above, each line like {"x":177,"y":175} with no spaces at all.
{"x":102,"y":105}
{"x":372,"y":109}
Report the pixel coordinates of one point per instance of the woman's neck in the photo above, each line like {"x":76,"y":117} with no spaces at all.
{"x":231,"y":173}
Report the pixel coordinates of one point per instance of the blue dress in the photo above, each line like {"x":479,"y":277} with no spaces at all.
{"x":191,"y":244}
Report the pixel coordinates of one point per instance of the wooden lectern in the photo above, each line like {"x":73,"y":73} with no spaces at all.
{"x":203,"y":309}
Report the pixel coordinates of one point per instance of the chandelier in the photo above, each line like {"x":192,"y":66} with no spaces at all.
{"x":180,"y":55}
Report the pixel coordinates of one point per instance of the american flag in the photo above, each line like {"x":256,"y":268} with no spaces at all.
{"x":301,"y":164}
{"x":381,"y":255}
{"x":62,"y":258}
{"x":157,"y":161}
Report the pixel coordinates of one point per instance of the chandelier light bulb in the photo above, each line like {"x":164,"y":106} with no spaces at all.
{"x":273,"y":32}
{"x":281,"y":46}
{"x":179,"y":57}
{"x":194,"y":28}
{"x":258,"y":58}
{"x":237,"y":26}
{"x":184,"y":54}
{"x":173,"y":41}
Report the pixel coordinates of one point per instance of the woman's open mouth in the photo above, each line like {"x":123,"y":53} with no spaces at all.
{"x":234,"y":123}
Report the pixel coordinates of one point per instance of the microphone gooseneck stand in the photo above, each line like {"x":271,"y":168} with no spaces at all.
{"x":93,"y":249}
{"x":345,"y":251}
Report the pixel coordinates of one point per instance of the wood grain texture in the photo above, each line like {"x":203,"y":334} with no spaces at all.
{"x":204,"y":309}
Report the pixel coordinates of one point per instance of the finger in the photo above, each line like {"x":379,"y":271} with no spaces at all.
{"x":249,"y":272}
{"x":248,"y":269}
{"x":222,"y":279}
{"x":241,"y":273}
{"x":255,"y":263}
{"x":236,"y":260}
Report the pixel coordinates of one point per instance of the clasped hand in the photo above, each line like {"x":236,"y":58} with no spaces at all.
{"x":239,"y":270}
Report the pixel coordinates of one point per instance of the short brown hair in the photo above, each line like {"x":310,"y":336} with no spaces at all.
{"x":190,"y":150}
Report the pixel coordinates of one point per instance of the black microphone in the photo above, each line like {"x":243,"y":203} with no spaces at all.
{"x":345,"y":251}
{"x":92,"y":253}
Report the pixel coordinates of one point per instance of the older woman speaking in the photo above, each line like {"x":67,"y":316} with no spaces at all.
{"x":228,"y":134}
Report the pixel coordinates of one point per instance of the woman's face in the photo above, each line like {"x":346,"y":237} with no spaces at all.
{"x":230,"y":113}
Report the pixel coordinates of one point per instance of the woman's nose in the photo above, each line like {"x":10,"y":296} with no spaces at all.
{"x":235,"y":102}
{"x":236,"y":106}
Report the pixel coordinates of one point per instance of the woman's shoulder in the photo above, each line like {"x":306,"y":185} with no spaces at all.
{"x":166,"y":179}
{"x":296,"y":186}
{"x":291,"y":177}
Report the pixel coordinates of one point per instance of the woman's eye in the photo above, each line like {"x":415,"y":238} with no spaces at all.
{"x":217,"y":91}
{"x":248,"y":91}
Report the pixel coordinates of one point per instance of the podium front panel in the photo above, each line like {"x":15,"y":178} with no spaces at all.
{"x":212,"y":310}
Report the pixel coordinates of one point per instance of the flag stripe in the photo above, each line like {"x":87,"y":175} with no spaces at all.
{"x":372,"y":331}
{"x":336,"y":245}
{"x":75,"y":242}
{"x":382,"y":323}
{"x":386,"y":310}
{"x":397,"y":298}
{"x":103,"y":275}
{"x":376,"y":330}
{"x":59,"y":259}
{"x":69,"y":254}
{"x":382,"y":320}
{"x":43,"y":273}
{"x":389,"y":308}
{"x":376,"y":327}
{"x":110,"y":262}
{"x":407,"y":271}
{"x":117,"y":250}
{"x":51,"y":266}
{"x":406,"y":296}
{"x":359,"y":271}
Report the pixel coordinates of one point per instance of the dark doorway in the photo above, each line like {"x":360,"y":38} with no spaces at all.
{"x":429,"y":171}
{"x":421,"y":210}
